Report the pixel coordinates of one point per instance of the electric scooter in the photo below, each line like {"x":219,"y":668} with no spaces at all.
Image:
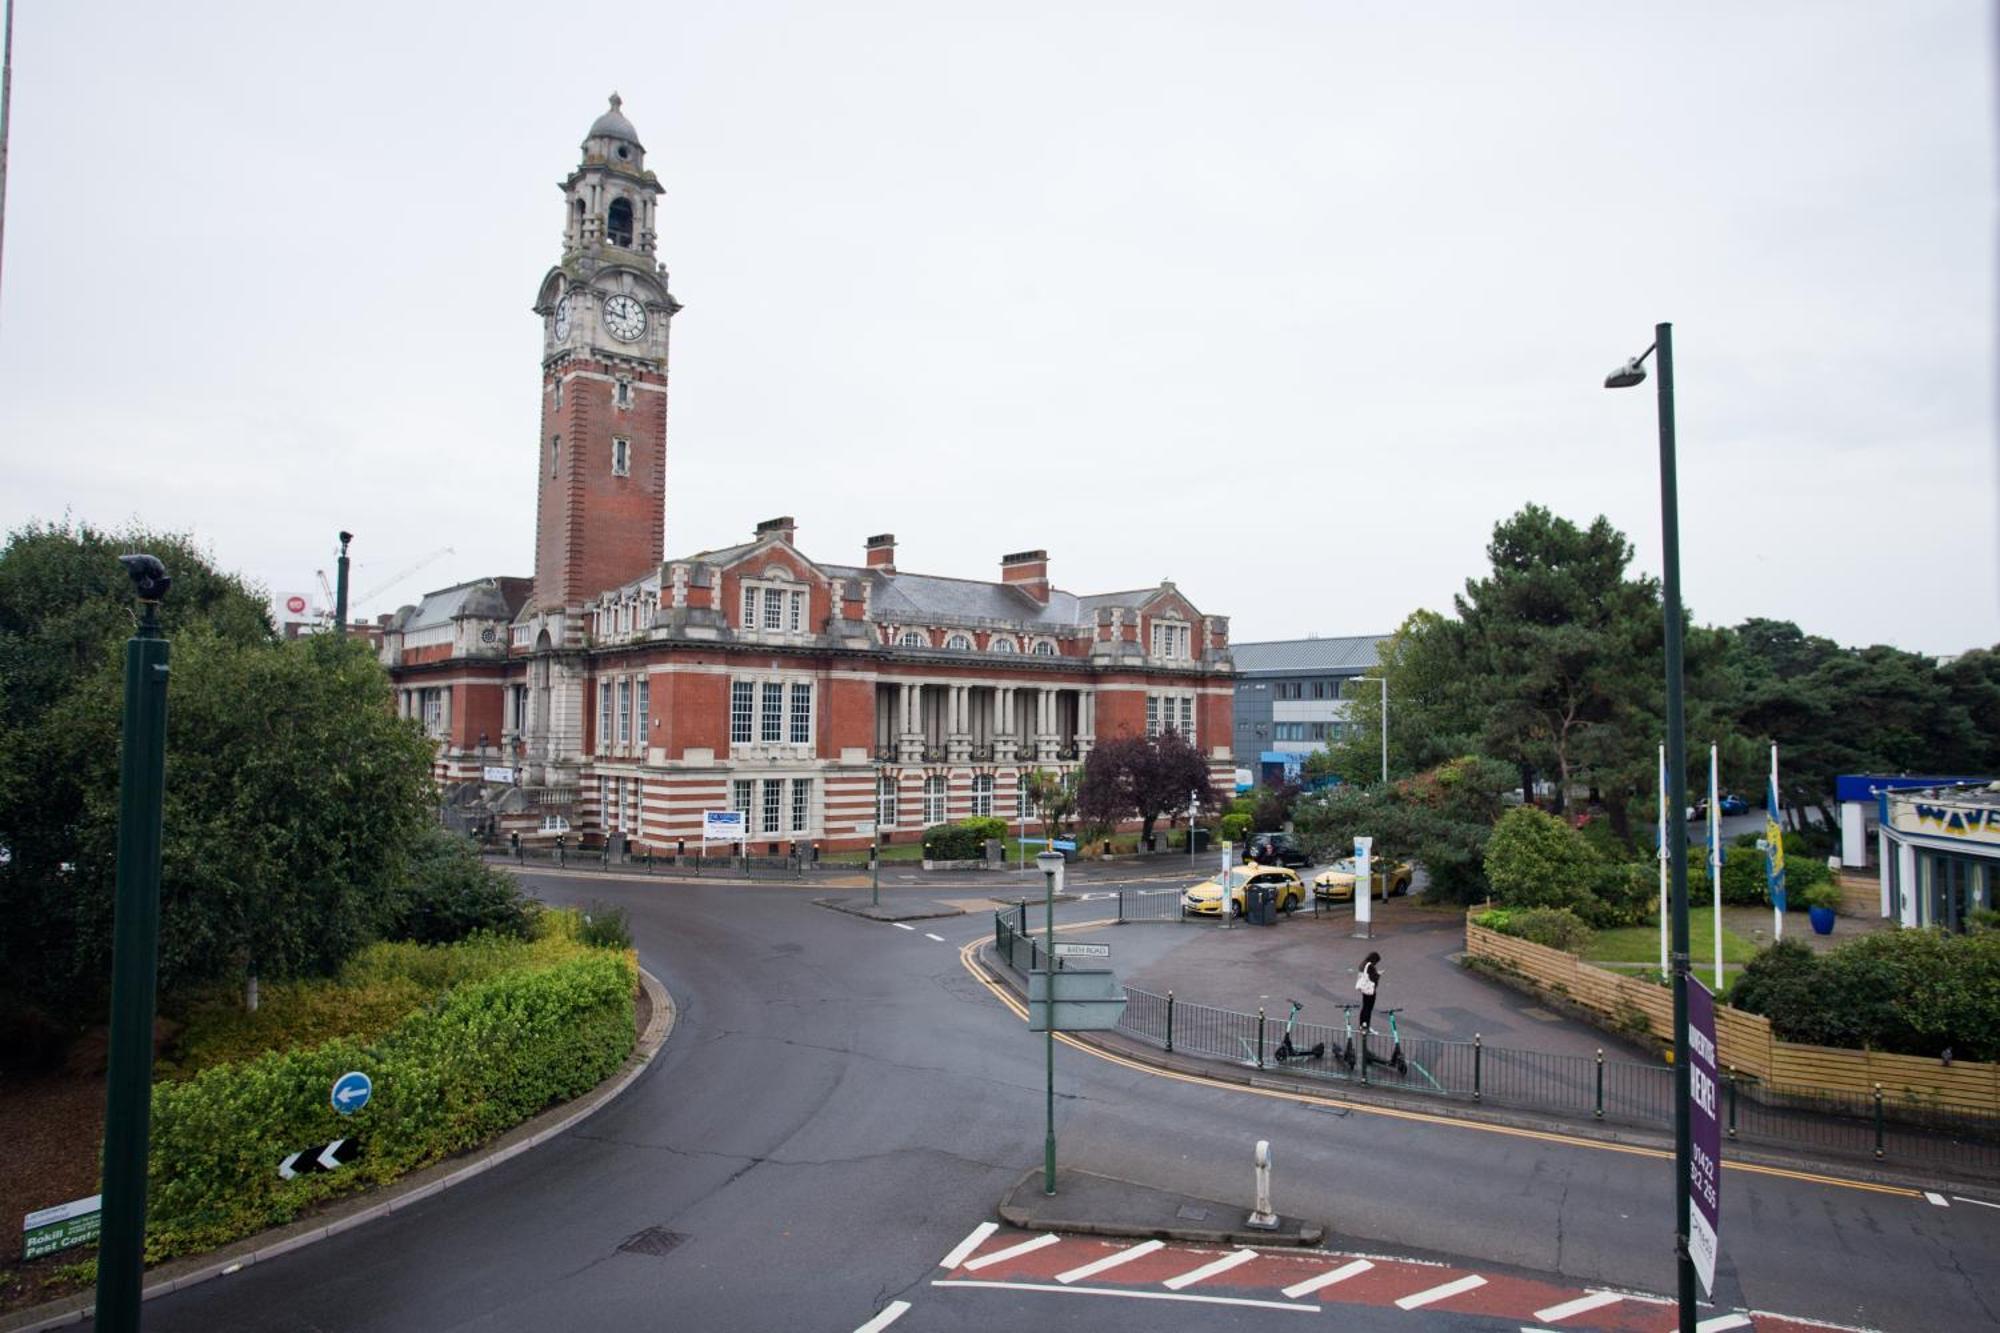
{"x":1395,"y":1060}
{"x":1287,"y":1051}
{"x":1346,"y":1053}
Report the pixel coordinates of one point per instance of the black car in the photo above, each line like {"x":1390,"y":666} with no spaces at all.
{"x":1275,"y":849}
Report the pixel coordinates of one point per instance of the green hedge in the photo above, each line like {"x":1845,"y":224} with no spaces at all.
{"x":1910,"y":992}
{"x":1553,"y":927}
{"x":963,"y":841}
{"x":483,"y":1058}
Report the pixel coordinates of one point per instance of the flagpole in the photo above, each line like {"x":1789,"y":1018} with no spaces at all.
{"x":1663,"y":860}
{"x":1715,"y":858}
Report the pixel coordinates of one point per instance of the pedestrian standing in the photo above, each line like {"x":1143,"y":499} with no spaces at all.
{"x":1365,"y":981}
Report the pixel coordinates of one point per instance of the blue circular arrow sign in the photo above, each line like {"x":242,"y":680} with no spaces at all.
{"x":351,"y":1092}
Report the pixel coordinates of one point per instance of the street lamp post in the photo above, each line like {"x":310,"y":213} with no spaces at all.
{"x":340,"y":597}
{"x":1383,"y":681}
{"x":875,"y":845}
{"x":1049,"y":862}
{"x":1633,"y":372}
{"x":121,"y":1259}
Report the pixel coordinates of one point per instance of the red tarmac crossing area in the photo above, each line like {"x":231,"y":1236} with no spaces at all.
{"x":1316,"y":1278}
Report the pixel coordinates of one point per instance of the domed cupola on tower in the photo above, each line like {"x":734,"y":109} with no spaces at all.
{"x":609,"y":199}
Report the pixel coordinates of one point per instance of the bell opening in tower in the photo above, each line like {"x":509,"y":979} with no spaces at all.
{"x":618,"y":224}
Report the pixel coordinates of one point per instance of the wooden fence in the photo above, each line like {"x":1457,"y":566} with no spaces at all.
{"x":1744,"y":1041}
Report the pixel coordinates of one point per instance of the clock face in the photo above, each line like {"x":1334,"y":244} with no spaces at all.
{"x":562,"y":319}
{"x":625,"y":317}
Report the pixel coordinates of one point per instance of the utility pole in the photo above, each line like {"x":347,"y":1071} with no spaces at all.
{"x":340,"y":595}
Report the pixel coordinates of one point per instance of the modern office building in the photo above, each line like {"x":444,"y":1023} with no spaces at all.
{"x":1291,"y":698}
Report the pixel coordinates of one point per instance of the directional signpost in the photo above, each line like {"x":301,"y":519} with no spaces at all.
{"x":319,"y":1158}
{"x":351,"y":1092}
{"x":1066,"y":949}
{"x":1085,"y":999}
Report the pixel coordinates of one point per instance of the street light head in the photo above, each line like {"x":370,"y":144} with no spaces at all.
{"x":1627,"y":375}
{"x":149,"y":577}
{"x":1048,"y":861}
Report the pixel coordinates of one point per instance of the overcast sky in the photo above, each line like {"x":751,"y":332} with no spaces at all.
{"x":1289,"y":303}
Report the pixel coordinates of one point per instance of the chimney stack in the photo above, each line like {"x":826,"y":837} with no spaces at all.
{"x":1028,"y":571}
{"x":882,"y":552}
{"x":784,"y":527}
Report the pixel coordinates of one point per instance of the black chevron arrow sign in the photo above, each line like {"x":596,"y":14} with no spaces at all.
{"x":325,"y":1157}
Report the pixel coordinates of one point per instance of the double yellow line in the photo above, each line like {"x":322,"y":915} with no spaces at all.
{"x":967,"y":956}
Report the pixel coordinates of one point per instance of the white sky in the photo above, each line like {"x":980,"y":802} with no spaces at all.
{"x":1287,"y":302}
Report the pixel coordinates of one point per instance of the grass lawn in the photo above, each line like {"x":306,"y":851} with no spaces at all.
{"x":1641,"y":944}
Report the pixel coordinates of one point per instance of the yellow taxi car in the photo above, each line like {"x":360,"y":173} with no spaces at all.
{"x":1205,"y":898}
{"x":1335,"y":884}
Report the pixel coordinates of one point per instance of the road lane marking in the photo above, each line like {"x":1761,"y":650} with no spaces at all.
{"x":1936,"y":1198}
{"x":1188,"y":1297}
{"x":1981,"y":1202}
{"x":1124,"y":1256}
{"x":975,"y":1239}
{"x":891,"y":1312}
{"x":1595,"y":1300}
{"x":1328,"y":1278}
{"x":900,"y":926}
{"x":1721,"y":1322}
{"x":938,"y":938}
{"x":1006,"y":998}
{"x":1013,"y":1251}
{"x":1470,"y":1282}
{"x":1208,"y":1270}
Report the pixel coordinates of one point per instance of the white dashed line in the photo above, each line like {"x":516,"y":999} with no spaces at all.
{"x":1595,"y":1300}
{"x":1981,"y":1202}
{"x":1012,"y":1251}
{"x":1470,"y":1282}
{"x":891,"y":1312}
{"x":1327,"y":1279}
{"x":973,"y":1241}
{"x":1124,"y":1256}
{"x":1208,"y":1270}
{"x":1937,"y":1199}
{"x":900,"y":926}
{"x":1721,"y":1322}
{"x":938,"y":938}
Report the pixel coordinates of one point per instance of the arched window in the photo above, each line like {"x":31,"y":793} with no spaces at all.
{"x":913,"y":639}
{"x":1003,"y":644}
{"x":958,"y":643}
{"x":1045,"y":648}
{"x":618,"y":222}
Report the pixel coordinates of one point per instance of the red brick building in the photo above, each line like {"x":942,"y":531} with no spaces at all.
{"x":629,"y":693}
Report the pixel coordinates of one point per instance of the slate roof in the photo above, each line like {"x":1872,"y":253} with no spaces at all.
{"x":480,"y":598}
{"x":1357,"y":652}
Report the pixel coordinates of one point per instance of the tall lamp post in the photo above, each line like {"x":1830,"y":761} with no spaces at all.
{"x":1632,"y":373}
{"x":1383,"y":681}
{"x":1050,"y":862}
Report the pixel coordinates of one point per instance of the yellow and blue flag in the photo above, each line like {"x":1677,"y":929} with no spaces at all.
{"x":1774,"y":849}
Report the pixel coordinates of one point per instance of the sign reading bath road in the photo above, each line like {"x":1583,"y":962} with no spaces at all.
{"x":1068,"y":949}
{"x":1704,"y":1183}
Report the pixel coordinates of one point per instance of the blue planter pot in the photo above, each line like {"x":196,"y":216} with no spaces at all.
{"x":1822,"y":920}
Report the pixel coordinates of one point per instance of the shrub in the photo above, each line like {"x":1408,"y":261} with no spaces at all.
{"x":982,"y":827}
{"x":1824,"y":894}
{"x":1912,"y":992}
{"x":489,"y":1055}
{"x":1743,"y":875}
{"x":450,"y":893}
{"x":604,"y":927}
{"x":1552,"y":927}
{"x":1235,"y":827}
{"x":950,"y":842}
{"x":1534,"y":859}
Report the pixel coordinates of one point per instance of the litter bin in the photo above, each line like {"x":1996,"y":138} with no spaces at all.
{"x":1262,"y":906}
{"x":1200,"y":837}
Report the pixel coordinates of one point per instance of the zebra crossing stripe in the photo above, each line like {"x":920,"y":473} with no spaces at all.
{"x":1013,"y":1251}
{"x":973,"y":1240}
{"x":1595,"y":1300}
{"x":1328,"y":1278}
{"x":1209,"y":1270}
{"x":1470,"y":1282}
{"x":1123,"y":1256}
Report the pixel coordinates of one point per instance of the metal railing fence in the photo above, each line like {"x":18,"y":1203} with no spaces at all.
{"x":1571,"y":1086}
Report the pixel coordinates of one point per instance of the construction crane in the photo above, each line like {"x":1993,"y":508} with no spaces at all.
{"x":381,"y":588}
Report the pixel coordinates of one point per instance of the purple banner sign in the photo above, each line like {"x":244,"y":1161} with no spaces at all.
{"x":1704,"y":1183}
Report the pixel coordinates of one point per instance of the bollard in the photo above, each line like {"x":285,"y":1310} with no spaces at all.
{"x":1476,"y":1048}
{"x":1732,"y":1101}
{"x":1599,"y":1112}
{"x":1878,"y":1121}
{"x":1170,"y":1022}
{"x":1260,"y":1037}
{"x":1262,"y":1217}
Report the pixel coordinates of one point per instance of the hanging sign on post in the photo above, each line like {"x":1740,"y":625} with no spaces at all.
{"x":1704,"y":1182}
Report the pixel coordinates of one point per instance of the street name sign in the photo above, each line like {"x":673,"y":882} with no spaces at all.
{"x":48,"y":1230}
{"x":1082,"y":1000}
{"x":1704,"y":1182}
{"x":319,"y":1158}
{"x":351,"y":1092}
{"x":1067,"y":949}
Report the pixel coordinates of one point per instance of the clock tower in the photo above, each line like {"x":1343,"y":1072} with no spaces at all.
{"x":600,"y":511}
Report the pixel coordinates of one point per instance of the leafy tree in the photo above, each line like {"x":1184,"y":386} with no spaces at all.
{"x":1534,"y":859}
{"x":1271,"y":806}
{"x":293,"y":793}
{"x":1143,"y":777}
{"x":1441,"y":818}
{"x":1435,"y":710}
{"x":449,"y":892}
{"x":1052,"y":796}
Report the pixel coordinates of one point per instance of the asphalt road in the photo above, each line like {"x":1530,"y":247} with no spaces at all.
{"x":842,"y":1103}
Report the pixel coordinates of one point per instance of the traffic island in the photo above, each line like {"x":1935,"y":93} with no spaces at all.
{"x":1094,"y":1205}
{"x":888,"y":911}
